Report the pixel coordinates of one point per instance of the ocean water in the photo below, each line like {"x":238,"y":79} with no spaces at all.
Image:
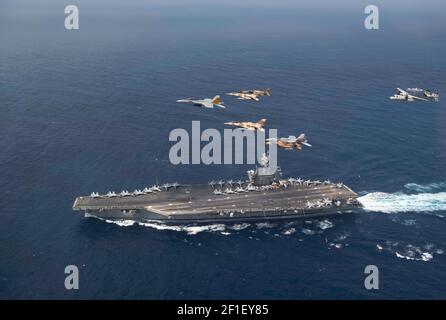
{"x":91,"y":110}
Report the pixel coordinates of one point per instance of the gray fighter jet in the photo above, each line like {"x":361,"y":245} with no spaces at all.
{"x":204,"y":103}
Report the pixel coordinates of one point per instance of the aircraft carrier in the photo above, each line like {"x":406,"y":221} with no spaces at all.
{"x":263,"y":196}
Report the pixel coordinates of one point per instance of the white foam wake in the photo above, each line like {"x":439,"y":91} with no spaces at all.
{"x":189,"y":229}
{"x":399,"y":202}
{"x":429,"y":187}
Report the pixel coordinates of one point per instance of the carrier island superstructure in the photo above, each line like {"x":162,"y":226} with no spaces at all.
{"x":264,"y":195}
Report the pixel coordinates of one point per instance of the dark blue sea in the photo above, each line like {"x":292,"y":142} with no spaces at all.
{"x":91,"y":110}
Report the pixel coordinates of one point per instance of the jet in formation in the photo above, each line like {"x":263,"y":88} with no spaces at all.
{"x":250,"y":94}
{"x":291,"y":142}
{"x":204,"y":103}
{"x":249,"y":125}
{"x":412,"y":94}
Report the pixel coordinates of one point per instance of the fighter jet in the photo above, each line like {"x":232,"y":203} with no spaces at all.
{"x":204,"y":103}
{"x":252,"y":188}
{"x":291,"y":142}
{"x":249,"y":125}
{"x":137,"y":192}
{"x":310,"y":204}
{"x":111,"y":194}
{"x":166,"y":186}
{"x":404,"y":95}
{"x":250,"y":94}
{"x":239,"y":190}
{"x":327,"y":202}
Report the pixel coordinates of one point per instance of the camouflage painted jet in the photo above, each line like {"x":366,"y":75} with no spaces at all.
{"x":291,"y":142}
{"x":250,"y":94}
{"x":249,"y":125}
{"x":204,"y":103}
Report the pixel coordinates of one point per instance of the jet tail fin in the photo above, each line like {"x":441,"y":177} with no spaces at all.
{"x":216,"y":100}
{"x":261,"y":122}
{"x":303,"y":140}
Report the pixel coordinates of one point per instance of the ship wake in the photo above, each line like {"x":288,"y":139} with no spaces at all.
{"x":189,"y":229}
{"x":307,"y":227}
{"x":416,"y":198}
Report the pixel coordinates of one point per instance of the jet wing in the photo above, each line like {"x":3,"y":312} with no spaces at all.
{"x":243,"y":96}
{"x":207,"y":104}
{"x":298,"y":146}
{"x":417,"y":98}
{"x":402,"y":91}
{"x":285,"y":145}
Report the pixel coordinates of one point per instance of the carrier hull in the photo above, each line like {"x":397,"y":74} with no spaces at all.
{"x":198,"y":203}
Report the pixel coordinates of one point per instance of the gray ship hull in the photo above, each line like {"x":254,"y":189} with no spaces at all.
{"x":198,"y":204}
